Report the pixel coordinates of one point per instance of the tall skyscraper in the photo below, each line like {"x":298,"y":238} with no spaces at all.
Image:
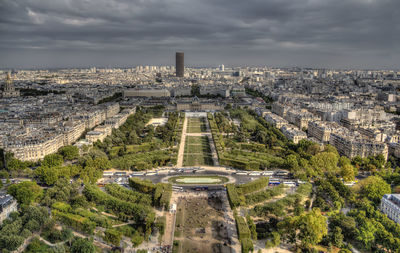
{"x":180,"y":64}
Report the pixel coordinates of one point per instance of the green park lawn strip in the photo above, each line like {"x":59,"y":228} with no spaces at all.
{"x":198,"y":180}
{"x":196,"y":125}
{"x":197,"y":159}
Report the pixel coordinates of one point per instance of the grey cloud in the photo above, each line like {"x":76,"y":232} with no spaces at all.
{"x":321,"y":33}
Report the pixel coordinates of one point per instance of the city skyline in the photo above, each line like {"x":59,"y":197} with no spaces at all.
{"x":320,"y":34}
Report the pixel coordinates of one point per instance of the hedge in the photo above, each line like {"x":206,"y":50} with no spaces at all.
{"x":247,"y":245}
{"x":238,"y":164}
{"x":166,"y":196}
{"x":76,"y":221}
{"x":261,"y":196}
{"x":138,"y":212}
{"x":61,"y":206}
{"x":128,"y":195}
{"x":113,"y":236}
{"x":253,"y":186}
{"x":143,"y":186}
{"x":233,"y":196}
{"x":242,"y":228}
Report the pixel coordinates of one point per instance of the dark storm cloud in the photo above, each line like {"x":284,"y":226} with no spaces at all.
{"x":45,"y":33}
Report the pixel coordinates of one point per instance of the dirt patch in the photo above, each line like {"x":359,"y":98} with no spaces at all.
{"x":202,"y":227}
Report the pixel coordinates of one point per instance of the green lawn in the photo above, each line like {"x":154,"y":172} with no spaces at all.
{"x":196,"y":125}
{"x":197,"y":151}
{"x":193,"y":160}
{"x":198,"y":180}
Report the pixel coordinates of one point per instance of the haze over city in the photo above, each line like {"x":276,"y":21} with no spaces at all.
{"x":360,"y":34}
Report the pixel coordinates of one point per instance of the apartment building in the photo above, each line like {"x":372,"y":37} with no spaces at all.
{"x":321,"y":130}
{"x":33,"y":149}
{"x":352,"y":143}
{"x":147,"y":93}
{"x":390,"y":205}
{"x":300,"y":118}
{"x":293,"y":133}
{"x":7,"y":205}
{"x":275,"y":120}
{"x":280,"y":109}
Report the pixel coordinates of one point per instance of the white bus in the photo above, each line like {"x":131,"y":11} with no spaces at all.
{"x":268,"y":173}
{"x":108,"y":173}
{"x":289,"y":183}
{"x":135,"y":174}
{"x":241,"y":173}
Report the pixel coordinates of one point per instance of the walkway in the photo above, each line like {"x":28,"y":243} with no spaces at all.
{"x":212,"y":145}
{"x":182,"y":144}
{"x":230,"y":225}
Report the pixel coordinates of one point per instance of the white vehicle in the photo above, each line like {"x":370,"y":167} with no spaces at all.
{"x":300,"y":181}
{"x":268,"y":173}
{"x":254,"y":173}
{"x":351,"y":183}
{"x":281,"y":173}
{"x":162,"y":172}
{"x":137,"y":174}
{"x":177,"y":188}
{"x":241,"y":173}
{"x":108,"y":173}
{"x":151,"y":174}
{"x":289,"y":183}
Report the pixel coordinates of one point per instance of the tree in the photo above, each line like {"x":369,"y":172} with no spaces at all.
{"x":52,"y":160}
{"x":312,"y":227}
{"x":69,"y":152}
{"x":82,"y":245}
{"x":366,"y":233}
{"x":16,"y":165}
{"x":274,"y":241}
{"x":325,"y":162}
{"x":137,"y":239}
{"x":112,"y":236}
{"x":337,"y":237}
{"x":346,"y":223}
{"x":4,"y":174}
{"x":373,"y":187}
{"x":347,"y":172}
{"x":25,"y":192}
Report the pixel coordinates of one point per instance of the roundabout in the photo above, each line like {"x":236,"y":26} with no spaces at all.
{"x":198,"y":180}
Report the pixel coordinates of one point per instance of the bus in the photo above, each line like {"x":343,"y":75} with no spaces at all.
{"x":108,"y":173}
{"x":268,"y":173}
{"x":281,"y":173}
{"x":274,"y":181}
{"x":289,"y":183}
{"x":120,"y":174}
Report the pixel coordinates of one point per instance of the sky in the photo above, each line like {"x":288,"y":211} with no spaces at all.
{"x":362,"y":34}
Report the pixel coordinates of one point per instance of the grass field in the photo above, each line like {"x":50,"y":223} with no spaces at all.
{"x":196,"y":125}
{"x":198,"y":180}
{"x":197,"y":151}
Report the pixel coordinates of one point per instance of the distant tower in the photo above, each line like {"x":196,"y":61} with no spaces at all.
{"x":180,"y":64}
{"x":9,"y":90}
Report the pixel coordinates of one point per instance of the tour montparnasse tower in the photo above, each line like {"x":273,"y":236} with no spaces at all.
{"x":9,"y":90}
